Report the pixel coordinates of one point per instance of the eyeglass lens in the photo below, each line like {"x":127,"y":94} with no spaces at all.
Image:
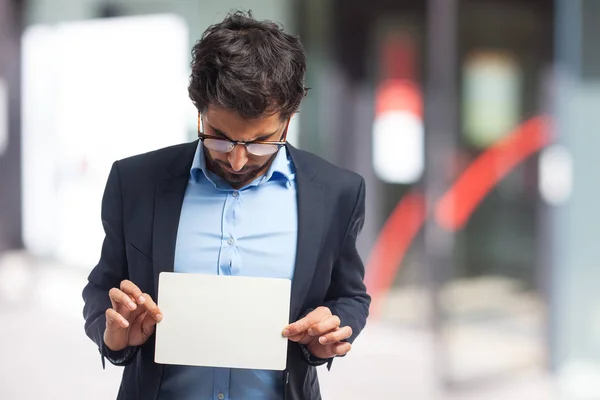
{"x":257,"y":149}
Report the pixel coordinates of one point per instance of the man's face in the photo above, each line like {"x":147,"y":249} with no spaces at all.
{"x":239,"y":167}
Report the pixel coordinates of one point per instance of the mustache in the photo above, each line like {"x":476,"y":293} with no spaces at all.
{"x":226,"y":167}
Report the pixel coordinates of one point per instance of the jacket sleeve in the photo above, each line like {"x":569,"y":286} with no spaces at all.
{"x":347,"y":295}
{"x":108,"y":273}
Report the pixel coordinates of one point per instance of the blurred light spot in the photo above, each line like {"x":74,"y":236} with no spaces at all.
{"x":398,"y":146}
{"x":398,"y":133}
{"x":398,"y":95}
{"x":492,"y":94}
{"x":556,"y":174}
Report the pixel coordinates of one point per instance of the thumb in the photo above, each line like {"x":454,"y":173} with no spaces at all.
{"x":302,"y":338}
{"x":148,"y":325}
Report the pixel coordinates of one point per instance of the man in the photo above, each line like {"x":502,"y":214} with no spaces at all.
{"x":238,"y":201}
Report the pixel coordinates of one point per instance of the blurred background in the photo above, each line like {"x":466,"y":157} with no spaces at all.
{"x":474,"y":122}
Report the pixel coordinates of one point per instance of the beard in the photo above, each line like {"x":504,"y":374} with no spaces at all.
{"x":240,"y":178}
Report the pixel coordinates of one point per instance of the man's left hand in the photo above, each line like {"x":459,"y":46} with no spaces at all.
{"x":321,"y":333}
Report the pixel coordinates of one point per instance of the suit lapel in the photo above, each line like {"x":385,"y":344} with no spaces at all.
{"x":170,"y":191}
{"x":311,"y":198}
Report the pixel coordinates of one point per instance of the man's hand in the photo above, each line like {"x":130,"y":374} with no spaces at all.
{"x":321,"y":333}
{"x":132,"y":318}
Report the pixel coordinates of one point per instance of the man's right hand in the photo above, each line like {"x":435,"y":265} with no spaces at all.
{"x":132,"y":318}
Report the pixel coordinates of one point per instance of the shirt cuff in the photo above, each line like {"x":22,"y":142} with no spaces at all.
{"x":312,"y":360}
{"x":118,"y":358}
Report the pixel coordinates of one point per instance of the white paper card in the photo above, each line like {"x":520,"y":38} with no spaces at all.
{"x":222,"y":321}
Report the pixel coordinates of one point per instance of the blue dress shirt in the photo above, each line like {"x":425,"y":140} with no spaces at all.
{"x":248,"y":232}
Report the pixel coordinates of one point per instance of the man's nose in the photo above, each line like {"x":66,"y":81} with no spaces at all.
{"x":238,"y":157}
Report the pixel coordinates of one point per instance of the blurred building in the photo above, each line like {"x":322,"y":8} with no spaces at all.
{"x":474,"y":123}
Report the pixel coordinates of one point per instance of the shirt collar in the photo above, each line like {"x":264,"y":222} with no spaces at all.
{"x":282,"y":168}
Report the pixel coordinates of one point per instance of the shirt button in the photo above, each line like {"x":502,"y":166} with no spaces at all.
{"x":230,"y":241}
{"x":221,"y":396}
{"x":235,"y":194}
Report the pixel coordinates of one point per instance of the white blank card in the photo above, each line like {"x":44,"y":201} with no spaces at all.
{"x":222,"y":321}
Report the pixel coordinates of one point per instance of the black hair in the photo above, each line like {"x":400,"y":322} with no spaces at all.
{"x":250,"y":67}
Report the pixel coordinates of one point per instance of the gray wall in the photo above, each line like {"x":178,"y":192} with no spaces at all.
{"x":10,"y":154}
{"x":575,"y":241}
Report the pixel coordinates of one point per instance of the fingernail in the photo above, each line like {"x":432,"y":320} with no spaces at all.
{"x":126,"y":323}
{"x":159,"y":317}
{"x":286,"y":332}
{"x":142,"y":299}
{"x":322,"y":340}
{"x":132,"y":305}
{"x":311,"y":332}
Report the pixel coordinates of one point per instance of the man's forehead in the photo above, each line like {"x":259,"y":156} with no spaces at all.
{"x":232,"y":124}
{"x":220,"y":114}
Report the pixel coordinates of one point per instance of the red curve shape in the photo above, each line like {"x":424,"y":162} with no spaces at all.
{"x":477,"y":181}
{"x":454,"y":208}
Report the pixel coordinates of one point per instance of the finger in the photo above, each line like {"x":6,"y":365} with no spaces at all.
{"x":132,"y":290}
{"x":119,"y":297}
{"x":337,"y":336}
{"x":339,"y":349}
{"x":302,"y":325}
{"x":151,"y":306}
{"x":148,"y":325}
{"x":329,"y":324}
{"x":298,"y":338}
{"x":114,"y":320}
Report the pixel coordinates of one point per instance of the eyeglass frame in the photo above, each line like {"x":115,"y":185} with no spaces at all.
{"x":280,"y":143}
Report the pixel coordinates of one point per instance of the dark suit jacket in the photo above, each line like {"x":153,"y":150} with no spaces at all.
{"x":140,"y":214}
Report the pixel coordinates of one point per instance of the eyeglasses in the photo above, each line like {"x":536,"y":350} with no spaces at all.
{"x":257,"y":147}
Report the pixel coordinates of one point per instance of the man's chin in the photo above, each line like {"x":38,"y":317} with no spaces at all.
{"x":237,"y":179}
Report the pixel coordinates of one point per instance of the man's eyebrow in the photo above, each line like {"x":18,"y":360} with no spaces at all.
{"x":218,"y":132}
{"x":261,"y":138}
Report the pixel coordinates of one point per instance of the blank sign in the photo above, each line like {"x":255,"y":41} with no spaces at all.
{"x":222,"y":321}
